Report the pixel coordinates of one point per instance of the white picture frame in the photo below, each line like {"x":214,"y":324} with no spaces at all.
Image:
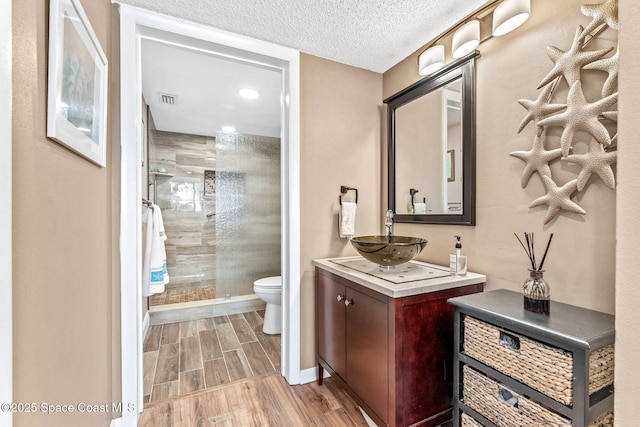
{"x":78,"y":83}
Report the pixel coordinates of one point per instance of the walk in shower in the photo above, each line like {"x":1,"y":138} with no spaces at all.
{"x":220,"y":201}
{"x":219,"y":192}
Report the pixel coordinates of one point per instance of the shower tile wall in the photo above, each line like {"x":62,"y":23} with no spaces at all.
{"x":237,"y":178}
{"x":191,"y":241}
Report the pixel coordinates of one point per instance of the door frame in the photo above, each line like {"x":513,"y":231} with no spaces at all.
{"x":6,"y":142}
{"x":136,"y":23}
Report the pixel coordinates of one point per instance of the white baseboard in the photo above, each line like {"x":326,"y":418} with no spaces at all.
{"x":310,"y":375}
{"x":368,"y":419}
{"x":145,"y":325}
{"x":116,"y":422}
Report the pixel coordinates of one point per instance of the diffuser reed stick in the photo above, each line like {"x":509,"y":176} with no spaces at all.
{"x":530,"y":249}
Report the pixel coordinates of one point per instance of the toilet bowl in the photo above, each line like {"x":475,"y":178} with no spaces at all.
{"x":269,"y":289}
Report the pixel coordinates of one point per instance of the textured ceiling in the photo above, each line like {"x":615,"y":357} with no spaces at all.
{"x":370,"y":34}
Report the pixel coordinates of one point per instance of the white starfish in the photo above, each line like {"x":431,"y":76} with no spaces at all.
{"x":568,"y":64}
{"x":540,"y":108}
{"x":598,"y":161}
{"x":610,"y":115}
{"x":558,"y":198}
{"x":603,"y":13}
{"x":537,"y":159}
{"x":581,"y":116}
{"x":609,"y":65}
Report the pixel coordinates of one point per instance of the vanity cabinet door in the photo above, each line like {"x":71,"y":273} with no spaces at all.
{"x":331,"y":323}
{"x":368,"y":349}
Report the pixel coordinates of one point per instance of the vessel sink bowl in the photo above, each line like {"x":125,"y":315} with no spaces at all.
{"x":388,"y":251}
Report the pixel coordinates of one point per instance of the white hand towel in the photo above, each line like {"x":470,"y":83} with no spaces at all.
{"x":154,"y":270}
{"x":420,"y":208}
{"x":347,"y":219}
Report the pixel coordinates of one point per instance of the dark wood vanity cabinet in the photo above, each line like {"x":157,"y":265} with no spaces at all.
{"x":393,"y":355}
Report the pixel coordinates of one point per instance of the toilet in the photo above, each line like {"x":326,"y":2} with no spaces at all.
{"x":269,"y":289}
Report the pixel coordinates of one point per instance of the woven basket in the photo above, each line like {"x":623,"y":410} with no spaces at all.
{"x":542,"y":367}
{"x":489,"y":398}
{"x":605,"y":420}
{"x":467,"y":421}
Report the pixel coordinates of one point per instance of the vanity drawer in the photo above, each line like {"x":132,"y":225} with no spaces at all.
{"x":540,"y":366}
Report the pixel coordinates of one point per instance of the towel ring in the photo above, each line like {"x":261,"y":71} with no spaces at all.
{"x":344,"y":189}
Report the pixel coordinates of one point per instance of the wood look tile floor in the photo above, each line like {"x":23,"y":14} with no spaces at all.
{"x":185,"y":357}
{"x":261,"y":401}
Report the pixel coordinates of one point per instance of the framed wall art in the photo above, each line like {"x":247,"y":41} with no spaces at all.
{"x":77,"y":93}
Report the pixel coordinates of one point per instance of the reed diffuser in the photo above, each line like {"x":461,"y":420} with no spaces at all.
{"x":535,"y":289}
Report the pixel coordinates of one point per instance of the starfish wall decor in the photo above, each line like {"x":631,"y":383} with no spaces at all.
{"x":575,"y":115}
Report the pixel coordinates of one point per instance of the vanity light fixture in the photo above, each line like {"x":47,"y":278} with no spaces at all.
{"x":509,"y":15}
{"x":431,"y":60}
{"x":228,"y":129}
{"x":465,"y":39}
{"x":248,"y":93}
{"x":506,"y":15}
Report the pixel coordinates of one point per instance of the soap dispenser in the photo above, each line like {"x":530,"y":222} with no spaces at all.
{"x":458,"y":261}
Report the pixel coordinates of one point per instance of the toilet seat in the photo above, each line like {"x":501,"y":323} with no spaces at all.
{"x":269,"y":282}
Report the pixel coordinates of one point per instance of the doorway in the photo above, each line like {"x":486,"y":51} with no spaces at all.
{"x":6,"y":301}
{"x":136,"y":25}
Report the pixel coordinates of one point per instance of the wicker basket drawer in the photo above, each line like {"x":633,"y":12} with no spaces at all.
{"x":542,"y":367}
{"x":507,"y":409}
{"x":467,"y":421}
{"x":502,"y":406}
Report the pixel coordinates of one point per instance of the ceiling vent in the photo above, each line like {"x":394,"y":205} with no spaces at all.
{"x":165,"y":98}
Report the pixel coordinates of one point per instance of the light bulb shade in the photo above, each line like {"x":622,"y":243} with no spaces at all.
{"x":509,"y":15}
{"x":465,"y":39}
{"x":431,"y":60}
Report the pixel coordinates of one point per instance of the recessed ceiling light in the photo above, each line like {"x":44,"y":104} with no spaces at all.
{"x":248,"y":93}
{"x":229,"y":129}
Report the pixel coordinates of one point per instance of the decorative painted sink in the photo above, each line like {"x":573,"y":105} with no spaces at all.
{"x":388,"y":251}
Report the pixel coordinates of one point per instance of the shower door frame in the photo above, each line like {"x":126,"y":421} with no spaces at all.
{"x":134,"y":24}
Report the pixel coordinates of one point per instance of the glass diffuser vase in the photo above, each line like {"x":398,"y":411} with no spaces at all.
{"x":536,"y":292}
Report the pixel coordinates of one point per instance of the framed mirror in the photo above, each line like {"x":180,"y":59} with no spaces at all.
{"x":431,"y":140}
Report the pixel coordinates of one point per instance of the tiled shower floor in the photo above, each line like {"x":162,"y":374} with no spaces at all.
{"x":183,"y":357}
{"x":174,"y":296}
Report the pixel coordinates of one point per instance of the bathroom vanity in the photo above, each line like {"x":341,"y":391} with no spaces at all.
{"x":387,"y":336}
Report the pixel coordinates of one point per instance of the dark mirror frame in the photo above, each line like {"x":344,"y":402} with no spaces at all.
{"x":464,"y":69}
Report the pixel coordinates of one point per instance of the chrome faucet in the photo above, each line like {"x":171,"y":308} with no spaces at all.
{"x":389,"y":223}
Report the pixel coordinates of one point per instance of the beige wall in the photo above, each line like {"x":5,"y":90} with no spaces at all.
{"x":340,"y":110}
{"x":628,"y":227}
{"x":580,"y":266}
{"x":63,"y":287}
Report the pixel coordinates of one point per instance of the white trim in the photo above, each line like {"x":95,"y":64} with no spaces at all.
{"x":309,"y":375}
{"x":6,"y":299}
{"x":291,"y":275}
{"x":116,"y":422}
{"x":145,"y":325}
{"x":133,"y":23}
{"x":130,"y":217}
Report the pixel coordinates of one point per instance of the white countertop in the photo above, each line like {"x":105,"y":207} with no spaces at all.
{"x":412,"y":278}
